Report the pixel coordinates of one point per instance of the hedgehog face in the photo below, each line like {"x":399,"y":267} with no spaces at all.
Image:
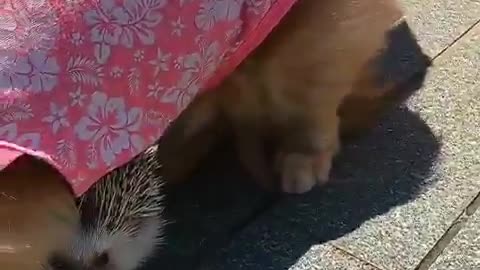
{"x":58,"y":261}
{"x":97,"y":249}
{"x":101,"y":261}
{"x":121,"y":220}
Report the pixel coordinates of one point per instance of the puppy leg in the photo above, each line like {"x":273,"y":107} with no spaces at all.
{"x":302,"y":168}
{"x":189,"y":139}
{"x":252,"y":155}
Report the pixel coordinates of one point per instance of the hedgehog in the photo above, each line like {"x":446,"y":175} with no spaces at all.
{"x":121,"y":222}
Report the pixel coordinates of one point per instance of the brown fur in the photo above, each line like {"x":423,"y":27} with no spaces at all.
{"x":37,"y":214}
{"x":306,"y":82}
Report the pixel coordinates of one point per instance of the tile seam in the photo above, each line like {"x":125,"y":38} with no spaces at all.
{"x":456,"y":40}
{"x":457,"y":225}
{"x":350,"y":254}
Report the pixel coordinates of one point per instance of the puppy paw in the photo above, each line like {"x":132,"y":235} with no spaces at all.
{"x":301,"y":172}
{"x":322,"y":164}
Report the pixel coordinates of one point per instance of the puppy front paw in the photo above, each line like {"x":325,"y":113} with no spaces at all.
{"x":301,"y":172}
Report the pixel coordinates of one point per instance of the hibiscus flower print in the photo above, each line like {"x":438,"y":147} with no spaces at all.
{"x":186,"y":96}
{"x":36,"y":72}
{"x":259,"y":7}
{"x":205,"y":19}
{"x":107,"y":21}
{"x":115,"y":24}
{"x":200,"y":65}
{"x":13,"y":71}
{"x":9,"y":132}
{"x":214,"y":11}
{"x":110,"y":126}
{"x":44,"y":73}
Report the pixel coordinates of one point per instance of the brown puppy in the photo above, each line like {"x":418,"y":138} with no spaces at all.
{"x":308,"y":80}
{"x":37,"y":212}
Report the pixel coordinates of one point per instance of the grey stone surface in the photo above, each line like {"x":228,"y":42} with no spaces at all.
{"x":322,"y":257}
{"x":274,"y":243}
{"x":464,"y":251}
{"x":437,"y":23}
{"x":449,"y":103}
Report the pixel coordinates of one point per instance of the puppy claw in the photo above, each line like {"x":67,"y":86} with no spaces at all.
{"x":322,"y":167}
{"x":297,"y":174}
{"x":301,"y":172}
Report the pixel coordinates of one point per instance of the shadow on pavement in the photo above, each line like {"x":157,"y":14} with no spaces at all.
{"x":220,"y":221}
{"x":387,"y":169}
{"x":206,"y":212}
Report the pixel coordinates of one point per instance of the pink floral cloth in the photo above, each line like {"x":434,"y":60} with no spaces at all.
{"x":88,"y":84}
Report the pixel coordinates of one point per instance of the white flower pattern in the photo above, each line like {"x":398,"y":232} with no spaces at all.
{"x":160,"y":62}
{"x":177,"y":27}
{"x":155,"y":90}
{"x":57,"y":118}
{"x":77,"y":97}
{"x":138,"y":55}
{"x":116,"y":72}
{"x":77,"y":39}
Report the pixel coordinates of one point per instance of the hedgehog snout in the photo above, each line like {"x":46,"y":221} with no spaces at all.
{"x":121,"y":218}
{"x":119,"y":251}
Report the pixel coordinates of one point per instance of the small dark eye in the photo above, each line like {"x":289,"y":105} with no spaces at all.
{"x":57,"y":262}
{"x":102,"y":260}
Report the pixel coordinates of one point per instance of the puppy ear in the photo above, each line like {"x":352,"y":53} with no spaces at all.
{"x":38,"y":214}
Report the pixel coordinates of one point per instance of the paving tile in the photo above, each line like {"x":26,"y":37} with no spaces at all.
{"x":449,"y":104}
{"x":464,"y":251}
{"x":437,"y":23}
{"x":328,"y":257}
{"x":274,"y":245}
{"x":269,"y":243}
